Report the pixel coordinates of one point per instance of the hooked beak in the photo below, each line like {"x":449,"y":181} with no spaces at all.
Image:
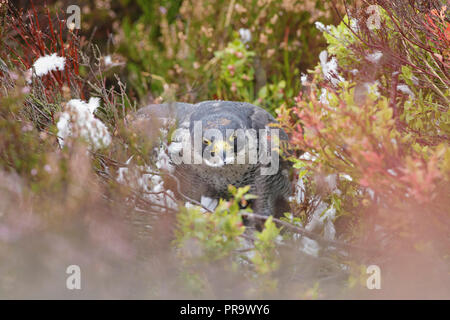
{"x":220,"y":146}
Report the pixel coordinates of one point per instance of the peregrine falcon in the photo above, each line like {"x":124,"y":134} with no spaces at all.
{"x":222,"y":143}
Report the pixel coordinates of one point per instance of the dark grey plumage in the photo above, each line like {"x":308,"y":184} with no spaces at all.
{"x":199,"y":180}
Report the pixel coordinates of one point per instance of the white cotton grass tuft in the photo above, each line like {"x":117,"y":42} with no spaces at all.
{"x":48,"y":63}
{"x":345,"y":176}
{"x":304,"y":79}
{"x":330,"y":68}
{"x":163,"y":161}
{"x":78,"y":120}
{"x":321,"y":27}
{"x":209,"y":203}
{"x":245,"y":34}
{"x":354,"y":25}
{"x":108,"y":61}
{"x":310,"y":247}
{"x":374,"y":57}
{"x":322,"y":219}
{"x":308,"y":157}
{"x":150,"y":184}
{"x":146,"y":180}
{"x":372,"y":88}
{"x":299,"y":194}
{"x":111,"y":61}
{"x":406,"y":90}
{"x":324,"y":96}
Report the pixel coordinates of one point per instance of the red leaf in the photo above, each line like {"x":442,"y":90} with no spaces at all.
{"x":447,"y":32}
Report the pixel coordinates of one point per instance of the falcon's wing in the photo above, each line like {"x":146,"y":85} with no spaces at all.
{"x":260,"y":119}
{"x":149,"y":119}
{"x":178,"y":111}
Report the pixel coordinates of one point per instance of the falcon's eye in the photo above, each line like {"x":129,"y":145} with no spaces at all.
{"x":206,"y":141}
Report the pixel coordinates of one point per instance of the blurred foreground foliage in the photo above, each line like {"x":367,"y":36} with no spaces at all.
{"x":368,"y":118}
{"x":374,"y":113}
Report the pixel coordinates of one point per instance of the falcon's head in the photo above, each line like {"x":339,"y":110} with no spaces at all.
{"x":222,"y":132}
{"x":222,"y":137}
{"x":219,"y":134}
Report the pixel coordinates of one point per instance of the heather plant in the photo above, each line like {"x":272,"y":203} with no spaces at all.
{"x":374,"y":115}
{"x":215,"y":232}
{"x":236,"y":72}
